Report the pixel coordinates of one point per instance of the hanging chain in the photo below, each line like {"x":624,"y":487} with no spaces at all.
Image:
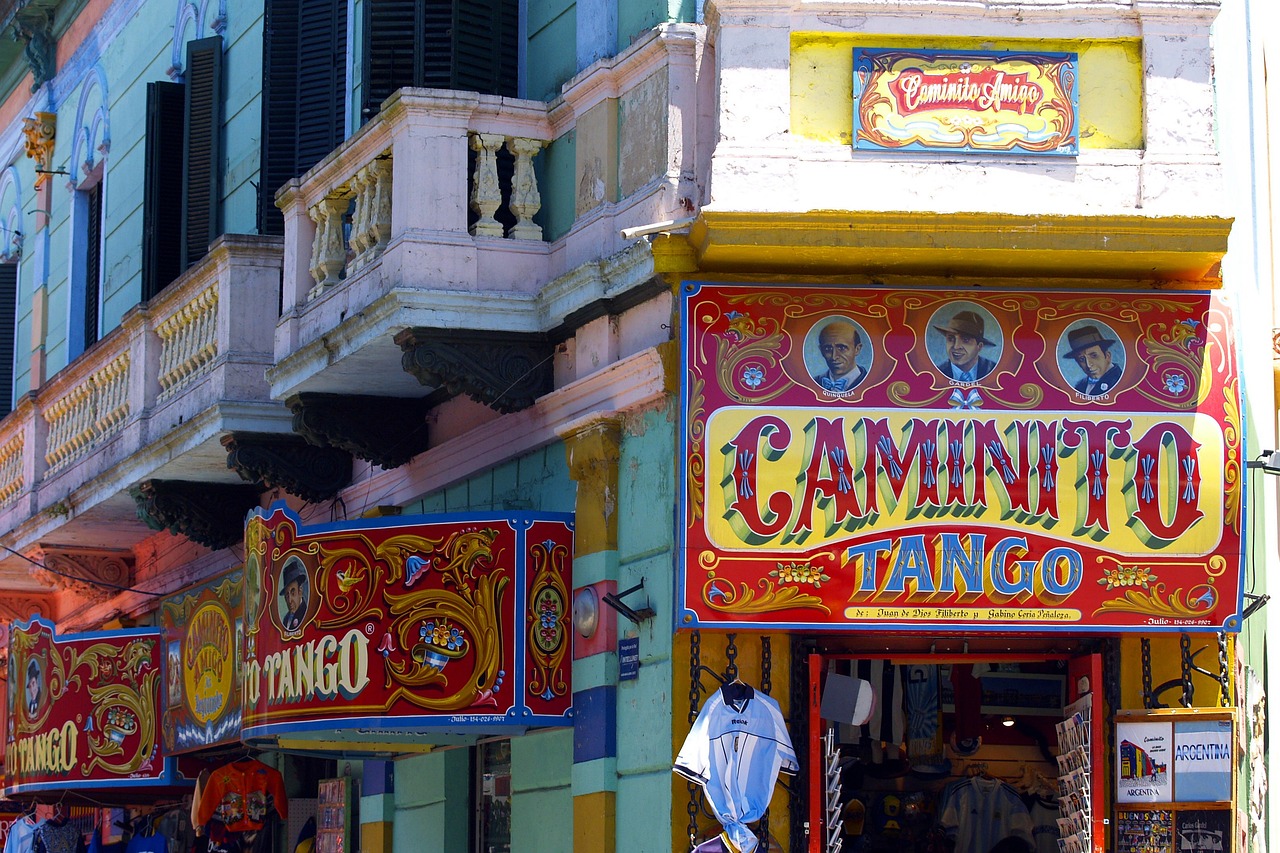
{"x":1188,"y":689}
{"x":731,"y":655}
{"x":766,"y":665}
{"x":1111,"y":673}
{"x":1224,"y":676}
{"x":695,"y":694}
{"x":766,"y":685}
{"x":1148,"y":701}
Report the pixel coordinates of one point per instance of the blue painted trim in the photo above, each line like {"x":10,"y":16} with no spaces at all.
{"x":514,"y":518}
{"x":595,"y":730}
{"x":519,"y":625}
{"x":468,"y":724}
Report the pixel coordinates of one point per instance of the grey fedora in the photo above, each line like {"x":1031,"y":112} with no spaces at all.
{"x":967,"y":323}
{"x":1084,"y":337}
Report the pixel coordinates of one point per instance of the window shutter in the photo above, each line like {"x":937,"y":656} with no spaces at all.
{"x":162,"y":189}
{"x":486,"y":46}
{"x":392,"y":50}
{"x":92,"y":265}
{"x":304,"y":94}
{"x":8,"y":304}
{"x":202,"y":167}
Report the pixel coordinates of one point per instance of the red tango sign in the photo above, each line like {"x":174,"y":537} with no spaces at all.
{"x":83,"y":710}
{"x":923,"y":459}
{"x":408,"y":630}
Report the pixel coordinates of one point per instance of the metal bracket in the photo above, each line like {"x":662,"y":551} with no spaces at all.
{"x":614,"y":600}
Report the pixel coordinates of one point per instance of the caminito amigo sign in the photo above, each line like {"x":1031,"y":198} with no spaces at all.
{"x":929,"y":458}
{"x":919,"y":100}
{"x":83,"y":710}
{"x":367,"y":631}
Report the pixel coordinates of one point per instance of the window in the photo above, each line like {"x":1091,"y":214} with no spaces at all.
{"x":84,"y":321}
{"x":471,"y":45}
{"x":8,"y":319}
{"x":304,"y":94}
{"x":493,"y":795}
{"x":183,"y":190}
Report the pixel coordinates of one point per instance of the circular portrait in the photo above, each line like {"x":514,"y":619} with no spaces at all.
{"x":1091,"y":358}
{"x":964,"y":341}
{"x":838,"y":354}
{"x":252,"y":589}
{"x":33,"y":686}
{"x":295,"y":594}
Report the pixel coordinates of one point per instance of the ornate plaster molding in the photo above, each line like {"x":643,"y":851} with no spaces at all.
{"x":93,"y":574}
{"x":210,"y":514}
{"x":387,"y":431}
{"x":506,"y":371}
{"x":289,"y":462}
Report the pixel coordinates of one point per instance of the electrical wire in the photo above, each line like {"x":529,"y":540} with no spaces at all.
{"x":78,"y":579}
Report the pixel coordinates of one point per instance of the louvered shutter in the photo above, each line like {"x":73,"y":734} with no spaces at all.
{"x":392,"y":52}
{"x":304,"y":94}
{"x":202,"y":166}
{"x":162,"y":190}
{"x":92,"y":264}
{"x":8,"y":304}
{"x":486,"y":46}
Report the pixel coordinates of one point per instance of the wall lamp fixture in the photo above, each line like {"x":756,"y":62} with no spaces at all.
{"x":614,"y":600}
{"x":1268,"y":461}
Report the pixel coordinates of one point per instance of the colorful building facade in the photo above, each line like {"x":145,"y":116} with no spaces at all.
{"x":458,"y":396}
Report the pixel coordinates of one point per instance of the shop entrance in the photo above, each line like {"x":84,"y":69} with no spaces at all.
{"x":947,"y":753}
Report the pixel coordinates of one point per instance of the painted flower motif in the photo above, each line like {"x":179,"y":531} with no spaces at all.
{"x":455,"y":640}
{"x":1125,"y":576}
{"x":1190,"y":323}
{"x":799,"y":573}
{"x":1175,"y":383}
{"x":752,"y":377}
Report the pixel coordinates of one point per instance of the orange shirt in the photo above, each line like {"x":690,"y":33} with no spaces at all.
{"x":240,"y":795}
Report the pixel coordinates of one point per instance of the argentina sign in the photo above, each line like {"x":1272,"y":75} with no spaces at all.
{"x":857,"y":457}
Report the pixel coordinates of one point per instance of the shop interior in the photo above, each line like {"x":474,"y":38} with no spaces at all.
{"x":963,"y":754}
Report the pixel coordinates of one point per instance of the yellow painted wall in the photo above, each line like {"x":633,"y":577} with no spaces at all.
{"x":1110,"y":83}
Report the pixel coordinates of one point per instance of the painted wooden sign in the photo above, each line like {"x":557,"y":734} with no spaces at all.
{"x":83,"y":710}
{"x":372,"y":631}
{"x":859,"y":457}
{"x":922,"y":100}
{"x":204,"y":631}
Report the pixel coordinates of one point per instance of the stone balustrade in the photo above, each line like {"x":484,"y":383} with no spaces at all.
{"x":434,"y":164}
{"x":168,"y":361}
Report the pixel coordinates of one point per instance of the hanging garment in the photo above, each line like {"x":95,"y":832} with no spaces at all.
{"x":925,"y":746}
{"x":735,"y":750}
{"x":21,"y":835}
{"x":147,"y":844}
{"x":888,"y":724}
{"x":201,"y":781}
{"x":967,"y":692}
{"x":977,"y":812}
{"x":241,"y":795}
{"x":1044,"y":824}
{"x":58,"y":836}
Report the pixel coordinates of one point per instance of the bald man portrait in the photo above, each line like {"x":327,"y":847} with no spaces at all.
{"x":839,"y":341}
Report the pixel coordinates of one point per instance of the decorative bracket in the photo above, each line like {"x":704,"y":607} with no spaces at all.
{"x":289,"y":462}
{"x":614,"y":600}
{"x":34,"y":28}
{"x":92,"y":573}
{"x":40,"y":131}
{"x":387,"y":431}
{"x":506,"y":371}
{"x":211,"y":514}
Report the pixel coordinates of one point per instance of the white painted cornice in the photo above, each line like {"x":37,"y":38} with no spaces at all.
{"x":612,"y":76}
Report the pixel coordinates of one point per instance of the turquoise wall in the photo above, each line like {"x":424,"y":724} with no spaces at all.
{"x":551,"y":52}
{"x":646,"y":550}
{"x":433,"y":803}
{"x":554,"y":168}
{"x":100,"y":93}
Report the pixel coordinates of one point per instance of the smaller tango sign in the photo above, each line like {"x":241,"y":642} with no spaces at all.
{"x":83,"y":710}
{"x":382,"y":633}
{"x":965,"y":100}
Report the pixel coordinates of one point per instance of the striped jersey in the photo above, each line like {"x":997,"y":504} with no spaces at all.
{"x":735,"y":750}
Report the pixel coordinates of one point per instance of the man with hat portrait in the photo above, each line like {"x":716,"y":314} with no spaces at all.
{"x":1090,"y":349}
{"x":965,"y":336}
{"x":293,"y":589}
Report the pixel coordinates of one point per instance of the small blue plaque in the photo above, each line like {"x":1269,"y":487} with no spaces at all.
{"x":628,"y":658}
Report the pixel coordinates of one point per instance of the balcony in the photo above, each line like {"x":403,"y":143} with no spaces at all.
{"x":150,"y":401}
{"x":428,"y":218}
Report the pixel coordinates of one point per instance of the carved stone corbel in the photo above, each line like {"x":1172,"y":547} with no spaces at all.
{"x":288,"y":462}
{"x":210,"y":514}
{"x":387,"y":431}
{"x":94,"y":574}
{"x":40,"y":132}
{"x":34,"y":28}
{"x":506,"y":371}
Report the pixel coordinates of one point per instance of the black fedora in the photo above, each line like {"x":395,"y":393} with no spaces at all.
{"x":1084,"y":337}
{"x":293,"y":571}
{"x":967,"y":323}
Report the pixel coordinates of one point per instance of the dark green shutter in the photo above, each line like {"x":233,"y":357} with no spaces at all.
{"x":162,"y":190}
{"x":470,"y":45}
{"x":8,"y":303}
{"x":202,"y":166}
{"x":92,"y":264}
{"x":304,"y":94}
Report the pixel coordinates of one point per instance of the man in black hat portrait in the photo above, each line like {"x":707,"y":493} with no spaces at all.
{"x":34,"y":687}
{"x":1091,"y":351}
{"x":965,"y":336}
{"x":293,"y":589}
